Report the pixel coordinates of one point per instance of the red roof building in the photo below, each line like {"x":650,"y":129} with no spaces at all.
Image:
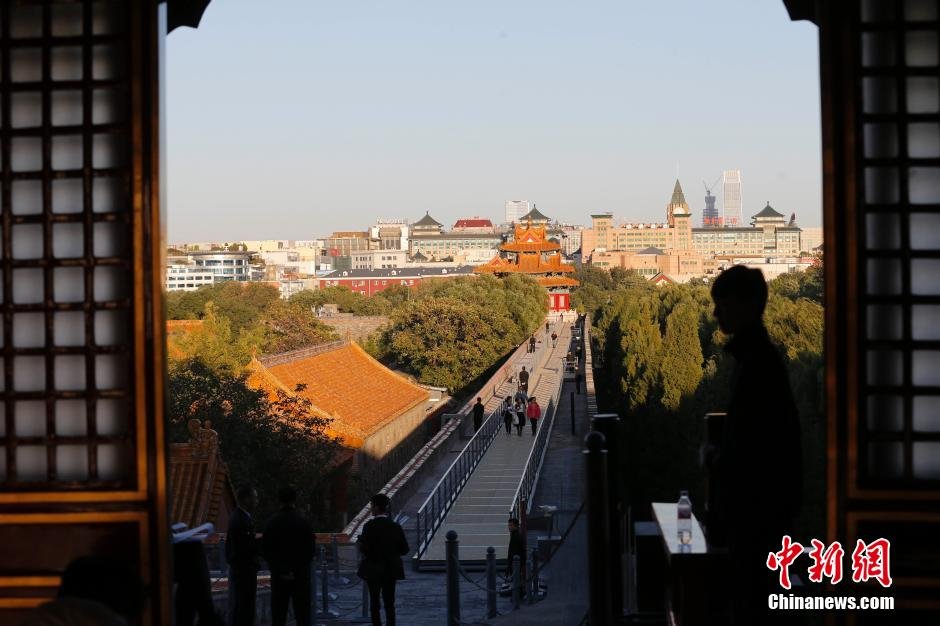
{"x":473,"y":225}
{"x":200,"y":489}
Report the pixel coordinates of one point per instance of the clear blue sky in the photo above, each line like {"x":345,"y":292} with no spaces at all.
{"x":316,"y":116}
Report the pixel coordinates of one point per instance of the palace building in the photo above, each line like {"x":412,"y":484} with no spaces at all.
{"x":530,"y":252}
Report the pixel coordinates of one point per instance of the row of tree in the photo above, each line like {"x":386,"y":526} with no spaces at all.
{"x":662,"y":367}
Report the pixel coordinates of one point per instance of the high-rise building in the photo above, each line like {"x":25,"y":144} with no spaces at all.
{"x":732,"y":204}
{"x":515,"y":209}
{"x":710,"y":216}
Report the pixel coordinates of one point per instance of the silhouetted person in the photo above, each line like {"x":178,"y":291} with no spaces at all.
{"x":546,"y":327}
{"x":532,"y":343}
{"x":478,"y":411}
{"x":523,"y":380}
{"x":554,"y":339}
{"x":382,"y":544}
{"x":94,"y":591}
{"x":193,"y":586}
{"x":288,"y":546}
{"x":534,"y":413}
{"x":241,"y":552}
{"x":516,"y":548}
{"x":758,"y":467}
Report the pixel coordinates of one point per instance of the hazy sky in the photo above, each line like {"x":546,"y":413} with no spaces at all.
{"x":317,"y":116}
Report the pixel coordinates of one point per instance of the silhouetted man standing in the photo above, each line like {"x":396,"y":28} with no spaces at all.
{"x":478,"y":414}
{"x":523,"y":380}
{"x":382,"y":544}
{"x":288,"y":548}
{"x":759,"y":464}
{"x":241,"y":552}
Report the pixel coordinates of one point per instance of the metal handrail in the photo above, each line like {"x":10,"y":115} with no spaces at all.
{"x":432,"y":512}
{"x":533,"y":464}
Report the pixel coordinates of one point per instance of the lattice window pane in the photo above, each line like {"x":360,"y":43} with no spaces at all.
{"x":899,"y":134}
{"x":67,"y":409}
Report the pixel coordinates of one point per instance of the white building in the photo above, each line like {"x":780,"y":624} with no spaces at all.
{"x":391,"y":234}
{"x":515,"y":209}
{"x":222,"y":265}
{"x":732,"y":203}
{"x":379,"y":259}
{"x":181,"y":277}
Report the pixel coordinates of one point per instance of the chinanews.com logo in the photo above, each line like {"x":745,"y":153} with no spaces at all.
{"x":871,"y":562}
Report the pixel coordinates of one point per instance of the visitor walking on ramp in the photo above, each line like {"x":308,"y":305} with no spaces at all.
{"x":532,"y":343}
{"x":523,"y":380}
{"x":554,"y":339}
{"x":508,"y":416}
{"x":478,"y":414}
{"x":534,"y":413}
{"x":520,"y":416}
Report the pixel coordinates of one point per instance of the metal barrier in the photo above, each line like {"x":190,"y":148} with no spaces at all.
{"x":445,"y":492}
{"x":522,"y":501}
{"x":434,"y":509}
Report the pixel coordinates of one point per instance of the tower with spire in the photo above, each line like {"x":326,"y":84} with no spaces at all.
{"x":679,"y":217}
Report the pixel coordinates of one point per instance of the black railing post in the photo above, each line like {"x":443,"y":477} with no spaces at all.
{"x":451,"y":551}
{"x":598,"y":520}
{"x":365,"y":598}
{"x":609,"y":425}
{"x":534,"y":593}
{"x":571,"y":395}
{"x":324,"y":583}
{"x":491,"y":611}
{"x":516,"y":582}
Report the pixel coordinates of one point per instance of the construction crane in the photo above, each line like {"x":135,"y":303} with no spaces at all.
{"x":708,"y":188}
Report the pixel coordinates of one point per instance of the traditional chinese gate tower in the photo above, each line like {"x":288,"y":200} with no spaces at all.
{"x":533,"y":254}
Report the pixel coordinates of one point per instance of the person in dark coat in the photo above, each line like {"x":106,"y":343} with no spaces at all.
{"x":520,"y":415}
{"x":508,"y":415}
{"x":288,"y":546}
{"x":241,"y":552}
{"x":523,"y":380}
{"x":758,"y":467}
{"x":478,"y":411}
{"x":516,"y":548}
{"x":382,"y":543}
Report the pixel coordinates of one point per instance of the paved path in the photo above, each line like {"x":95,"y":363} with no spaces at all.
{"x":480,"y":512}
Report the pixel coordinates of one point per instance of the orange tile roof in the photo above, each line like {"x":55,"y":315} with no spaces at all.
{"x":346,"y":384}
{"x":200,"y":490}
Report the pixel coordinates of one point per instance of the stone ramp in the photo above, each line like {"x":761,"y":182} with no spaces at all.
{"x":479,"y":515}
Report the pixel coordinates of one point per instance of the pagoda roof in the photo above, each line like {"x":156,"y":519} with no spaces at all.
{"x":534,"y":216}
{"x":530,"y":238}
{"x":768,"y":211}
{"x":427,"y":220}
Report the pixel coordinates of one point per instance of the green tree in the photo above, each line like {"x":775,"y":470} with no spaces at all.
{"x":217,"y":345}
{"x":682,"y":355}
{"x":291,"y":326}
{"x":446,"y":341}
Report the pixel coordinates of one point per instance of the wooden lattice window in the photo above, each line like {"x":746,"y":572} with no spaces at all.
{"x":898,"y":127}
{"x":67,"y":347}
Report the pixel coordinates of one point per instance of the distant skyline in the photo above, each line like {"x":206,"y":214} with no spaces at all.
{"x":290,"y":124}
